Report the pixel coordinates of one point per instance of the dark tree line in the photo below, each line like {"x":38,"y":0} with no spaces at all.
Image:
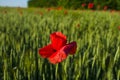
{"x":75,"y":4}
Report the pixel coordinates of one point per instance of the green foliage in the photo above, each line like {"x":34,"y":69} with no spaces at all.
{"x":42,"y":3}
{"x":75,"y":4}
{"x":96,"y":33}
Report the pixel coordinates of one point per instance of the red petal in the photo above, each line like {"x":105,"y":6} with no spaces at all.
{"x":70,"y":48}
{"x":57,"y":57}
{"x":74,"y":47}
{"x":46,"y":51}
{"x":62,"y":54}
{"x":58,"y":40}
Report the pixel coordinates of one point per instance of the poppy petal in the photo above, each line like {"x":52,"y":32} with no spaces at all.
{"x":62,"y":54}
{"x":58,"y":56}
{"x":46,"y":51}
{"x":58,"y":40}
{"x":70,"y":48}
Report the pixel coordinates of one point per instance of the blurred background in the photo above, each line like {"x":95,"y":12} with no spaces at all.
{"x":68,"y":4}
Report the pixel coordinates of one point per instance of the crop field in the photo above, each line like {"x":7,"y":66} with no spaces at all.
{"x":24,"y":31}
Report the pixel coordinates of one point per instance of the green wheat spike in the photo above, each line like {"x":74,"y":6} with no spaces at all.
{"x":117,"y":55}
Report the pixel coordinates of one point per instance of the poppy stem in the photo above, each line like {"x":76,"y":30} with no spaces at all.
{"x":36,"y":64}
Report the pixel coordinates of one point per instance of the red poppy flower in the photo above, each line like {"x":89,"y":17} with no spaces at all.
{"x":59,"y":8}
{"x":112,"y":11}
{"x":65,"y":12}
{"x":49,"y":9}
{"x":83,"y":5}
{"x":58,"y":50}
{"x":90,"y":5}
{"x":118,"y":27}
{"x":105,"y":7}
